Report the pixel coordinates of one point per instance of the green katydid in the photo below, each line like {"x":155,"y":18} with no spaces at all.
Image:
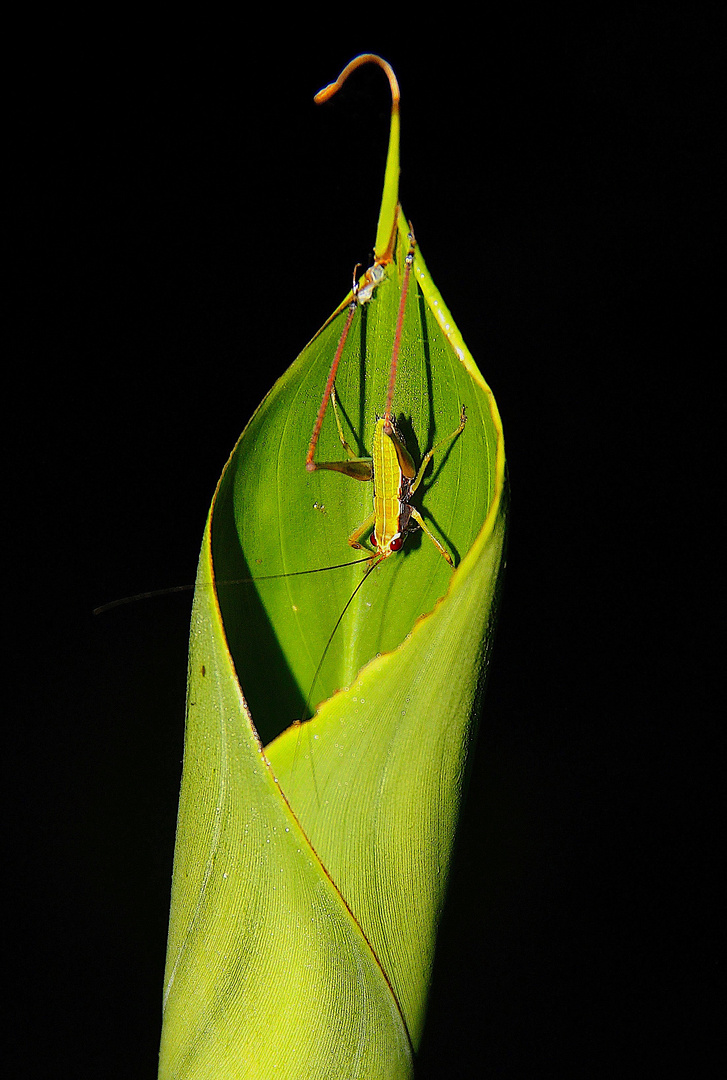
{"x":390,"y":467}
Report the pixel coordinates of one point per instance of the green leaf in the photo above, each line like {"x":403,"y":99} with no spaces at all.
{"x":309,"y":877}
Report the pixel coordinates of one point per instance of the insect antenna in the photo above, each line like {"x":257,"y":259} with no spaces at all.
{"x":374,"y":562}
{"x":307,"y":707}
{"x":103,"y":608}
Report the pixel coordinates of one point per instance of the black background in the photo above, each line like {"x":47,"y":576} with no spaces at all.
{"x":183,"y":219}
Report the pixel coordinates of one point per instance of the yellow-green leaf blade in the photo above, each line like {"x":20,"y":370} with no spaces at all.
{"x":323,"y":971}
{"x":267,"y":972}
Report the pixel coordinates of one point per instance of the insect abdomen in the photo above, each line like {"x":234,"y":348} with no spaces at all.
{"x":391,"y":488}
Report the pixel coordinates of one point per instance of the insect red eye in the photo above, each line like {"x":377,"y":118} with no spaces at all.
{"x":396,"y":543}
{"x":373,"y":539}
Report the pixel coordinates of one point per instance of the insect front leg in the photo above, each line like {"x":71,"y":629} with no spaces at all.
{"x":362,"y":528}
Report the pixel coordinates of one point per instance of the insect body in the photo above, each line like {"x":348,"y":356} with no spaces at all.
{"x":395,"y":480}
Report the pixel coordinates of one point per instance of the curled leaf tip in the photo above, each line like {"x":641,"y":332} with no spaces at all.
{"x":365,"y":58}
{"x":389,"y":212}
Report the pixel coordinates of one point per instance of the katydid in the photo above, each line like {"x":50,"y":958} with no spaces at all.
{"x":390,"y":467}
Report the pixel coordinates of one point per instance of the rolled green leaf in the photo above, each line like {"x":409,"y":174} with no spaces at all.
{"x":309,"y":875}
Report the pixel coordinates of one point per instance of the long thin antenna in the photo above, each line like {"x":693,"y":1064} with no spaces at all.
{"x":374,"y":563}
{"x":102,"y":608}
{"x":307,"y":707}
